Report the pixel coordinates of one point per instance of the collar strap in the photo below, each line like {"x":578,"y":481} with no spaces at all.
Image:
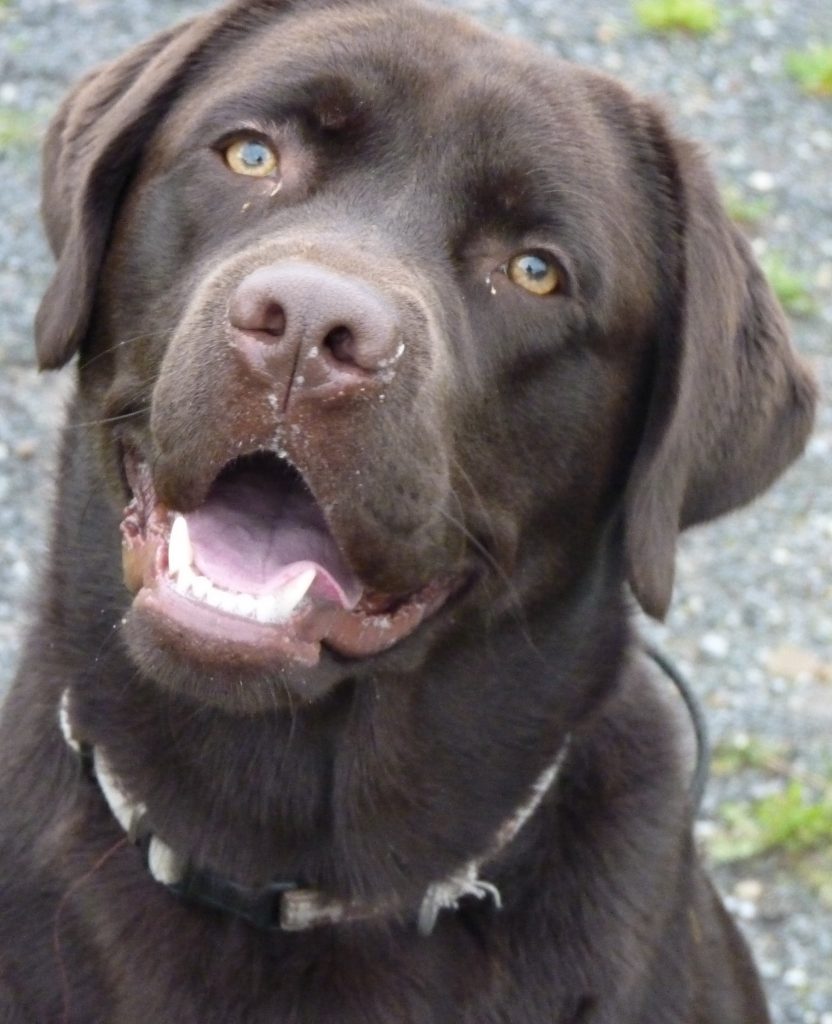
{"x":286,"y":905}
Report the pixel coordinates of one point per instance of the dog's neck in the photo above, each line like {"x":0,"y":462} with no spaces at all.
{"x":283,"y":904}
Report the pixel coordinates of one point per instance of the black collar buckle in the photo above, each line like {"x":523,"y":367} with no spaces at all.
{"x":258,"y":906}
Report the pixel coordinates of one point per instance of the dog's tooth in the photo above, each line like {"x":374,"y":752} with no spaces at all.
{"x":212,"y":596}
{"x":266,"y":609}
{"x":180,"y":552}
{"x":291,"y":595}
{"x":185,"y":579}
{"x":246,"y":605}
{"x":227,"y":601}
{"x":200,"y":586}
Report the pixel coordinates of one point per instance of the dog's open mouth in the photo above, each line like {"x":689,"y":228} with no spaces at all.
{"x":254,"y":573}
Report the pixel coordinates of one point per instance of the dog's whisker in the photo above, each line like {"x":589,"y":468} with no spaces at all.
{"x":108,"y":419}
{"x":124,"y":343}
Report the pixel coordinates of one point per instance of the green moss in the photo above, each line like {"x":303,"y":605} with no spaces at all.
{"x":747,"y":211}
{"x":18,"y":129}
{"x":815,"y":870}
{"x":791,"y":287}
{"x":812,"y":69}
{"x":742,"y":753}
{"x":698,"y":17}
{"x":793,"y":821}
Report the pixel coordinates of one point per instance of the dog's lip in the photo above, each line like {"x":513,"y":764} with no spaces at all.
{"x":354,"y":626}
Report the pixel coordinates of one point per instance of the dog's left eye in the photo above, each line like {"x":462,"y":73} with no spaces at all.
{"x":251,"y":157}
{"x":534,"y":271}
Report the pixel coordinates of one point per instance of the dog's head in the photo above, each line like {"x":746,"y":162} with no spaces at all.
{"x":392,"y":324}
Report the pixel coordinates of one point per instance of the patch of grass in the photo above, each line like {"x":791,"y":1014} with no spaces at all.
{"x":18,"y":128}
{"x":812,"y":69}
{"x":815,"y":869}
{"x":792,"y":821}
{"x":698,"y":17}
{"x":742,"y":753}
{"x":747,"y":211}
{"x":792,"y":288}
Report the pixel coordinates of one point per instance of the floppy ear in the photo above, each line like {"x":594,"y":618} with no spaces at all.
{"x":92,"y":147}
{"x":732,"y":403}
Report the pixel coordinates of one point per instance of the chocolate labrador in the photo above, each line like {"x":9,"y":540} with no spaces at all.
{"x":409,"y":351}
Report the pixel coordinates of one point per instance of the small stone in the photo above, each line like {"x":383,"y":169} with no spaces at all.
{"x":822,"y":139}
{"x":766,"y":28}
{"x":761,"y":181}
{"x":714,"y":645}
{"x":794,"y":663}
{"x":823,"y":277}
{"x":607,"y":32}
{"x":704,"y":830}
{"x":743,"y":909}
{"x":749,"y":890}
{"x":795,"y":977}
{"x":26,"y":448}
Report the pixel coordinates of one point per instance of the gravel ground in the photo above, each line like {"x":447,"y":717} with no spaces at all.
{"x":751,"y":621}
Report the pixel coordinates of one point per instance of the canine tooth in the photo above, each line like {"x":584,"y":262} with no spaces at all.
{"x":180,"y":552}
{"x":287,"y":599}
{"x":200,"y":586}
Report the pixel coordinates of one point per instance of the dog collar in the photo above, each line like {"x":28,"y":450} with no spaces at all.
{"x":284,"y":905}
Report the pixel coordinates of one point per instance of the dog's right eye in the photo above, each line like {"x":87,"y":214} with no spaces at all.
{"x":534,"y":271}
{"x":251,"y":157}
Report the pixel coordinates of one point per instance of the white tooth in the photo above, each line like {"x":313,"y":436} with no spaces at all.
{"x":184,"y":580}
{"x":246,"y":605}
{"x":227,"y":601}
{"x":291,"y":595}
{"x":200,"y":586}
{"x":213,"y":596}
{"x":180,"y":552}
{"x":266,"y":609}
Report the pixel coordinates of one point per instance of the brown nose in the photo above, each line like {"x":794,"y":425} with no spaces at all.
{"x":306,"y":327}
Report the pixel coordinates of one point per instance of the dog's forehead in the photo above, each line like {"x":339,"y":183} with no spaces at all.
{"x":437,"y":79}
{"x":460,"y":134}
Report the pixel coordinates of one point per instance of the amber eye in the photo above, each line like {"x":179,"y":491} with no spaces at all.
{"x":251,"y":157}
{"x":535,"y":272}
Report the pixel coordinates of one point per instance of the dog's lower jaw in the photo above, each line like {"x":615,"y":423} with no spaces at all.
{"x":252,"y":585}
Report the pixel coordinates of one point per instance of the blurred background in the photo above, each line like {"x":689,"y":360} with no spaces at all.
{"x":752,"y":617}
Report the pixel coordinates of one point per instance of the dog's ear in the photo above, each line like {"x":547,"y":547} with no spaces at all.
{"x":732,"y":404}
{"x":92,"y":147}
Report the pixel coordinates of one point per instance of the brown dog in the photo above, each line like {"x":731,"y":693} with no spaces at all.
{"x":407,"y":348}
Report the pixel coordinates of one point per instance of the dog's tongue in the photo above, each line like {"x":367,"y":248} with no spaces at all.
{"x":257,"y":528}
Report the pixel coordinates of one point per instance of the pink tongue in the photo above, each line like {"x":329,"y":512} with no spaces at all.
{"x":252,"y":527}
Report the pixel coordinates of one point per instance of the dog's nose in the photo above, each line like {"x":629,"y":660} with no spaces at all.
{"x":307,"y":327}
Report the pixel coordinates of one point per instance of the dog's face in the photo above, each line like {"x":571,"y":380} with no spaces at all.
{"x":392,"y":325}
